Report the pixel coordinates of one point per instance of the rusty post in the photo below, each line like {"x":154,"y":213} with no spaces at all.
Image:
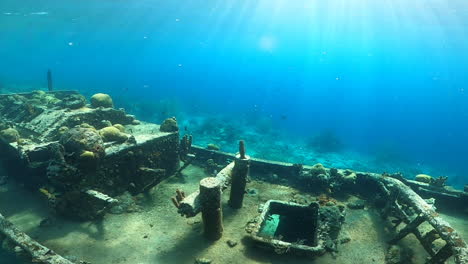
{"x":239,"y":177}
{"x":212,"y":214}
{"x":242,"y":149}
{"x":50,"y":86}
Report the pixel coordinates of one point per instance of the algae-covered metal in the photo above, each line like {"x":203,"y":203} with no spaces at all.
{"x":287,"y":227}
{"x":68,"y":150}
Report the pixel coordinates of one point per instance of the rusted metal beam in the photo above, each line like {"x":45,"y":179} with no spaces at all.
{"x":190,"y":206}
{"x":442,"y":255}
{"x":409,"y":228}
{"x":455,"y":243}
{"x":38,"y":252}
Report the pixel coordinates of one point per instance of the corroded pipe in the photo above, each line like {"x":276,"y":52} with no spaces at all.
{"x":212,"y":215}
{"x":239,"y":178}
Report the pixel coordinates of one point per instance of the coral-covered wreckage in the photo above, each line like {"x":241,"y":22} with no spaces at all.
{"x":80,"y":157}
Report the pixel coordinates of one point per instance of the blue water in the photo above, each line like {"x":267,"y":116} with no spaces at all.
{"x":374,"y":72}
{"x":9,"y":258}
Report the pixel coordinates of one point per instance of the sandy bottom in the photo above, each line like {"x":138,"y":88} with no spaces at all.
{"x":158,"y":234}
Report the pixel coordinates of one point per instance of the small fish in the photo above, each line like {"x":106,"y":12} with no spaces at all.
{"x":284,"y":117}
{"x":39,"y":13}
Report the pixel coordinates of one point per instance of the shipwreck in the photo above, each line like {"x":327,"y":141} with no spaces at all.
{"x":81,"y":157}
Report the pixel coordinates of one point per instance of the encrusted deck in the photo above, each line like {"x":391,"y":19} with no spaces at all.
{"x":81,"y":158}
{"x":63,"y":147}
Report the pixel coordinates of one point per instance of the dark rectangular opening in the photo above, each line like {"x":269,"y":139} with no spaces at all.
{"x":291,"y":223}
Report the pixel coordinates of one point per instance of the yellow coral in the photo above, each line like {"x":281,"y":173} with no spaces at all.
{"x":51,"y":100}
{"x":38,"y":93}
{"x":46,"y":193}
{"x":120,"y":127}
{"x":86,"y":125}
{"x":169,"y":125}
{"x":423,"y":178}
{"x":10,"y":135}
{"x":318,"y":169}
{"x":87,"y":155}
{"x":350,"y":178}
{"x":112,"y":134}
{"x":101,"y":100}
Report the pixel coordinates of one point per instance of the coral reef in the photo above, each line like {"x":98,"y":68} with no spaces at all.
{"x":203,"y":261}
{"x":349,"y":176}
{"x":112,"y":133}
{"x":169,"y":125}
{"x":87,"y":155}
{"x":317,"y":169}
{"x":439,"y":181}
{"x":211,"y":167}
{"x":120,"y":127}
{"x":41,"y":98}
{"x":423,"y":178}
{"x":317,"y":178}
{"x":62,"y":152}
{"x":101,"y":100}
{"x":185,"y":147}
{"x":335,"y":216}
{"x":73,"y":101}
{"x":9,"y":135}
{"x":79,"y":139}
{"x":63,"y":176}
{"x":340,"y":179}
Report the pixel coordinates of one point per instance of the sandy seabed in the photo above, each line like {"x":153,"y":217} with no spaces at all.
{"x":157,"y":234}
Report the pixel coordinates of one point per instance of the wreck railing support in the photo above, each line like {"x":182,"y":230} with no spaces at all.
{"x":402,"y":203}
{"x":212,"y":214}
{"x":190,"y":205}
{"x":455,"y":245}
{"x":239,"y":178}
{"x":442,"y":255}
{"x":409,"y":228}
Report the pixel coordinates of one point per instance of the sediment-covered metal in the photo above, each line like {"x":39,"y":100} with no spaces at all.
{"x":258,"y":166}
{"x":455,"y":245}
{"x":60,"y":145}
{"x":299,"y":229}
{"x":210,"y":201}
{"x":239,"y":181}
{"x":191,"y":204}
{"x":37,"y":252}
{"x":400,"y":197}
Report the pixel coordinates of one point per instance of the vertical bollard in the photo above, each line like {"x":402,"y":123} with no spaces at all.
{"x":50,"y":85}
{"x":239,"y":177}
{"x":212,"y":215}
